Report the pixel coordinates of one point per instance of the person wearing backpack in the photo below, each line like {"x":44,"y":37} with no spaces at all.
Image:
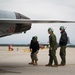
{"x":62,"y":43}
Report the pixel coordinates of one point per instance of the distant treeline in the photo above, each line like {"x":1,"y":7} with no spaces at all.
{"x":70,"y":45}
{"x":20,"y":44}
{"x":14,"y":44}
{"x":28,"y":45}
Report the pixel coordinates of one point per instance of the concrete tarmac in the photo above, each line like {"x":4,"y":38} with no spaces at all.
{"x":16,"y":62}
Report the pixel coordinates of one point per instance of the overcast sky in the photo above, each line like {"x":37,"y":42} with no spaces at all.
{"x":41,"y":9}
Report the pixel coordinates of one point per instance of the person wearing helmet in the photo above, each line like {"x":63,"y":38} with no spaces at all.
{"x":34,"y":47}
{"x":52,"y":49}
{"x":62,"y":43}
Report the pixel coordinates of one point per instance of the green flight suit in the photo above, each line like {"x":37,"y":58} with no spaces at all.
{"x":52,"y":50}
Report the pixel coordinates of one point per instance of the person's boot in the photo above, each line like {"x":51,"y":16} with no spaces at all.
{"x":48,"y":65}
{"x":31,"y":63}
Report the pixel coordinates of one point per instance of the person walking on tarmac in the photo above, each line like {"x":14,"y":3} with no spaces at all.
{"x":34,"y":48}
{"x":62,"y":43}
{"x":52,"y":49}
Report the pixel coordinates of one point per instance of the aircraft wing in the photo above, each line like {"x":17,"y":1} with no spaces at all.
{"x":14,"y":26}
{"x":22,"y":21}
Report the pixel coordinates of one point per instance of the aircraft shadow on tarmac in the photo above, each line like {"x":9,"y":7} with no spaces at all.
{"x":7,"y":71}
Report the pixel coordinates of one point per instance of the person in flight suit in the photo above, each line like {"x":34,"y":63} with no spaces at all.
{"x":62,"y":43}
{"x":52,"y":49}
{"x":34,"y":48}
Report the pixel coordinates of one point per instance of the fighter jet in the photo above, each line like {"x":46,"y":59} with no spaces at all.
{"x":13,"y":23}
